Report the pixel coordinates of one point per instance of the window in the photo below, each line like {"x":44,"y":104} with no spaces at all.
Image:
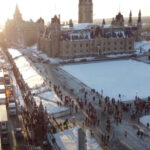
{"x":130,"y":48}
{"x":130,"y":42}
{"x":87,"y":45}
{"x":67,"y":46}
{"x":80,"y":45}
{"x":74,"y":45}
{"x":115,"y":43}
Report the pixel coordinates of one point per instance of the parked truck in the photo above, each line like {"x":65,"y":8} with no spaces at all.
{"x":2,"y":98}
{"x":4,"y":134}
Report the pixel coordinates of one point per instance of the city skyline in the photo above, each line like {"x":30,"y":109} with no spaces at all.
{"x":69,"y":9}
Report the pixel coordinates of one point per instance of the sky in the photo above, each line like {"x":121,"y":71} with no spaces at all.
{"x":33,"y":9}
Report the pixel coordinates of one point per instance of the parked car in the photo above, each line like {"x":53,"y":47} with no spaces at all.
{"x":19,"y":133}
{"x":12,"y":109}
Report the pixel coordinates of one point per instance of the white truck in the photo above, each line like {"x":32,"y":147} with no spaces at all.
{"x":4,"y":125}
{"x":12,"y":109}
{"x":2,"y":98}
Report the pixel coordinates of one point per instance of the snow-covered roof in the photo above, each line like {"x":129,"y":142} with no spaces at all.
{"x":84,"y":26}
{"x":2,"y":87}
{"x":68,"y":140}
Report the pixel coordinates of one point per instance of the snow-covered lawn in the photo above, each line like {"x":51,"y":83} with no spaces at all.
{"x":143,"y":45}
{"x":145,"y":119}
{"x":125,"y":77}
{"x":49,"y":95}
{"x":68,"y":140}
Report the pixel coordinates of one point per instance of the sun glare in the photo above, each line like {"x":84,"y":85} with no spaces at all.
{"x":33,"y":9}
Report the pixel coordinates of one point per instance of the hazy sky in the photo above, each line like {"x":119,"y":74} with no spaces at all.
{"x":69,"y":8}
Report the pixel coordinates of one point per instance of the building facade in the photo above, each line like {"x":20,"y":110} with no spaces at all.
{"x":85,"y":11}
{"x":23,"y":32}
{"x":89,"y":39}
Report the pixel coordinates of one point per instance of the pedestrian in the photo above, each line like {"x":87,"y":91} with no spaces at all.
{"x":125,"y":133}
{"x":148,"y":125}
{"x":138,"y":133}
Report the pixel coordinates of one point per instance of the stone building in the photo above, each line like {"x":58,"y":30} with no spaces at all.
{"x":23,"y":32}
{"x":85,"y":11}
{"x":89,"y":39}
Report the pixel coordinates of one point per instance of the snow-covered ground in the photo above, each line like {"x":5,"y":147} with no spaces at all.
{"x":91,"y":142}
{"x":68,"y":140}
{"x":142,"y":46}
{"x":145,"y":119}
{"x":49,"y":95}
{"x":126,"y":77}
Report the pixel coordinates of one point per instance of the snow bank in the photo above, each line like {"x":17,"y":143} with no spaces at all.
{"x":68,"y":140}
{"x":91,"y":142}
{"x":118,"y":55}
{"x":125,"y":77}
{"x":145,"y":119}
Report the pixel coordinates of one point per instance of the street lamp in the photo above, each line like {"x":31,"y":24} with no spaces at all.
{"x":136,"y":95}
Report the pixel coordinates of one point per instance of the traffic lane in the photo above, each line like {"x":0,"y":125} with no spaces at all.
{"x":14,"y":123}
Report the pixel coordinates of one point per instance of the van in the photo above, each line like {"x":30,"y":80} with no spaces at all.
{"x":12,"y":109}
{"x":5,"y":137}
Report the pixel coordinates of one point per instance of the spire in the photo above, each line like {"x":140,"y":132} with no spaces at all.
{"x":130,"y":18}
{"x":103,"y":23}
{"x":139,"y":17}
{"x":17,"y":14}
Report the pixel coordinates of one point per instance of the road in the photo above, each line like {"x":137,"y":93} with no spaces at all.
{"x":14,"y":122}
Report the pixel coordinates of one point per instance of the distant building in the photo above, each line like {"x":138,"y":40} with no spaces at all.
{"x":89,"y":39}
{"x":23,"y":32}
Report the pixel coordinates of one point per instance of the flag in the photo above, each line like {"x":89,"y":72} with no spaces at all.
{"x":8,"y":93}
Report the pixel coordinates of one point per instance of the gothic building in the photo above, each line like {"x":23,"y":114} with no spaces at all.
{"x":23,"y":32}
{"x":89,"y":39}
{"x":85,"y":11}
